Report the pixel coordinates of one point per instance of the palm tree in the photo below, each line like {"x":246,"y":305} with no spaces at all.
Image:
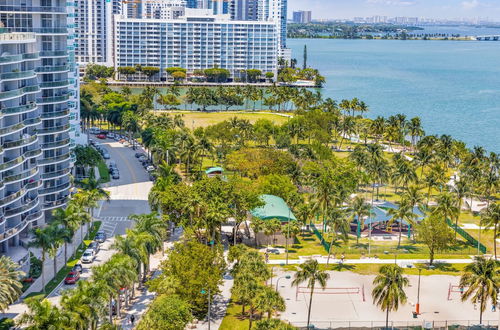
{"x":85,"y":305}
{"x":10,"y":287}
{"x":42,"y":315}
{"x":289,"y":230}
{"x":388,"y":293}
{"x":490,"y":218}
{"x":404,"y":212}
{"x":70,"y":224}
{"x":152,"y":225}
{"x":447,"y":206}
{"x":309,"y":272}
{"x":257,"y":226}
{"x":269,"y":301}
{"x":481,"y":282}
{"x":461,"y":190}
{"x":338,"y":222}
{"x":42,"y":239}
{"x":271,"y":227}
{"x":360,"y":209}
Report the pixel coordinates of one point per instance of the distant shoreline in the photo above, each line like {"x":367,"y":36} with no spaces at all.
{"x":392,"y":39}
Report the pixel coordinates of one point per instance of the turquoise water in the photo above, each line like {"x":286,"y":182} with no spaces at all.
{"x":454,"y":87}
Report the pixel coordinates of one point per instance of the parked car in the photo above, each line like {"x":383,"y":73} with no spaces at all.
{"x":105,"y":155}
{"x":94,"y":130}
{"x":150,"y":168}
{"x":88,"y":256}
{"x":92,"y":142}
{"x":139,"y":155}
{"x":115,"y":175}
{"x":111,"y":135}
{"x":77,"y":268}
{"x":143,"y":159}
{"x":100,"y":237}
{"x":94,"y":246}
{"x":101,"y":136}
{"x":72,"y":277}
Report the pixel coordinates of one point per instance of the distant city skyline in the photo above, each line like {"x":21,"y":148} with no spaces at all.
{"x":442,"y":9}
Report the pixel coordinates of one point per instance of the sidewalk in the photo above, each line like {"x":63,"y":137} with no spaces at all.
{"x":401,"y":262}
{"x":144,"y":298}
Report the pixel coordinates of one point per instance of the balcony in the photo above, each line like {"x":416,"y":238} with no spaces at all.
{"x":20,"y":227}
{"x":20,"y":143}
{"x":55,"y":175}
{"x":22,"y":176}
{"x":22,"y":209}
{"x":52,"y":99}
{"x":19,"y":126}
{"x":54,"y":84}
{"x":52,"y":69}
{"x":18,"y":75}
{"x":34,"y":9}
{"x":54,"y":130}
{"x":18,"y":92}
{"x":9,"y":164}
{"x":54,"y":53}
{"x":54,"y":115}
{"x":53,"y":190}
{"x":54,"y":160}
{"x":56,"y":144}
{"x":45,"y":30}
{"x":8,"y":59}
{"x":18,"y":110}
{"x":54,"y":204}
{"x":20,"y":193}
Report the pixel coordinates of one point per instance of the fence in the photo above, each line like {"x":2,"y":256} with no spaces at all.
{"x":466,"y":236}
{"x":410,"y":325}
{"x":316,"y":232}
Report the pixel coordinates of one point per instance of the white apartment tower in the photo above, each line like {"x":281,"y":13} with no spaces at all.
{"x":39,"y":121}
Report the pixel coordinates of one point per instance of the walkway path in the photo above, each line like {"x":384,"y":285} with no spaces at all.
{"x":404,"y":262}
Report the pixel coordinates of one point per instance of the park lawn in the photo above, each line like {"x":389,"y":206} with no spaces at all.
{"x":233,"y":319}
{"x":103,"y":172}
{"x":204,"y":119}
{"x":304,"y":245}
{"x":486,"y":239}
{"x":468,"y":217}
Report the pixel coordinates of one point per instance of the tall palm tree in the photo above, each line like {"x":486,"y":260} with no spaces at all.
{"x":86,"y":304}
{"x":77,"y":212}
{"x":490,"y":218}
{"x":461,"y":191}
{"x":257,"y":226}
{"x":447,"y":206}
{"x":404,"y":212}
{"x":388,"y":293}
{"x":338,"y":222}
{"x":269,"y":301}
{"x":69,"y":223}
{"x":481,"y":282}
{"x":10,"y":287}
{"x":360,"y":209}
{"x":42,"y":239}
{"x":153,"y":225}
{"x":309,"y":272}
{"x":271,"y":227}
{"x":42,"y":314}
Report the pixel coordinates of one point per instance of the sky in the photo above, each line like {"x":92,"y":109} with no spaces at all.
{"x":445,"y":9}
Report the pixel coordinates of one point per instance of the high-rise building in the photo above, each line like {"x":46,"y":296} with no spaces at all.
{"x":39,"y":126}
{"x":94,"y":30}
{"x":198,"y":40}
{"x":163,"y":9}
{"x":244,"y":10}
{"x":302,"y":16}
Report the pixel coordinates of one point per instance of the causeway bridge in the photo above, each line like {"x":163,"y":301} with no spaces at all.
{"x":488,"y":38}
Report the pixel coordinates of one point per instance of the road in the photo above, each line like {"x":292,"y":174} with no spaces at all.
{"x":128,"y":195}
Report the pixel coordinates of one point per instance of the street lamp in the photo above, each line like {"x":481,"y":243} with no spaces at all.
{"x":272,"y":272}
{"x":278,"y":281}
{"x":418,"y":292}
{"x":203,"y":291}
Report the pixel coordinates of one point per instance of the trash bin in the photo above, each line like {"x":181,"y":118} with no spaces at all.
{"x":415,"y":315}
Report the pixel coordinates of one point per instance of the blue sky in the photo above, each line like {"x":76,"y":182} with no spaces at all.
{"x":419,"y":8}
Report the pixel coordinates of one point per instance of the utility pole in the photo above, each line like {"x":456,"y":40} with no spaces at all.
{"x":418,"y":292}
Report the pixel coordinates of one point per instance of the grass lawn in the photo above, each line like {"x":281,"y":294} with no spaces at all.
{"x":486,"y":239}
{"x":73,"y":260}
{"x":204,"y":119}
{"x":103,"y":172}
{"x":233,"y":319}
{"x":372,"y":269}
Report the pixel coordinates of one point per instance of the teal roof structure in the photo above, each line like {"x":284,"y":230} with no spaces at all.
{"x":274,"y":208}
{"x":214,"y":169}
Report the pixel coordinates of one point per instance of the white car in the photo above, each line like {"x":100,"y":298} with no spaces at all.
{"x":111,"y":135}
{"x":150,"y":168}
{"x":88,"y":256}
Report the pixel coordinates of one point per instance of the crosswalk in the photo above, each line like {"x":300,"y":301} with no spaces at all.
{"x":114,"y":219}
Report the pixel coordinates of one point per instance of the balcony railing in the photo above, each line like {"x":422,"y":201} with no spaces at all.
{"x":20,"y":143}
{"x":53,"y":130}
{"x":18,"y":194}
{"x":52,"y":99}
{"x":6,"y":59}
{"x":26,"y":207}
{"x":21,"y":176}
{"x":19,"y":92}
{"x":59,"y":202}
{"x":56,"y":144}
{"x":54,"y":53}
{"x":51,"y":115}
{"x":20,"y":126}
{"x":53,"y":160}
{"x":16,"y":161}
{"x":53,"y":84}
{"x":52,"y":190}
{"x":51,"y":69}
{"x":19,"y":109}
{"x":18,"y":75}
{"x":34,"y":9}
{"x":58,"y":174}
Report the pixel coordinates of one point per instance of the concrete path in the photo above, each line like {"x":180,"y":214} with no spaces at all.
{"x":323,"y":260}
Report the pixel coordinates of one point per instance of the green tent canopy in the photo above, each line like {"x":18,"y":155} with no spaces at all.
{"x":275,"y":208}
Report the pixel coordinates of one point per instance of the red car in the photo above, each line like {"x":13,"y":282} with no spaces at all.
{"x":72,"y":277}
{"x":101,"y":136}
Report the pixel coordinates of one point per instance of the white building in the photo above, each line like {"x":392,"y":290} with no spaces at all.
{"x":198,"y":40}
{"x":40,"y":121}
{"x":163,"y":9}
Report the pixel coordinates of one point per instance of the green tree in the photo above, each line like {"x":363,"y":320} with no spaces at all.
{"x":42,"y":239}
{"x":435,"y":234}
{"x":257,"y":226}
{"x":309,"y":272}
{"x":388,"y":293}
{"x":166,"y":312}
{"x":273,"y":324}
{"x":10,"y":287}
{"x":490,"y":218}
{"x":42,"y":314}
{"x":481,"y":282}
{"x":127,"y":71}
{"x":269,"y":301}
{"x":360,"y":209}
{"x":150,"y":71}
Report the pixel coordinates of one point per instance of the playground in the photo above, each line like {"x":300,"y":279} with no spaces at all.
{"x":348,"y":297}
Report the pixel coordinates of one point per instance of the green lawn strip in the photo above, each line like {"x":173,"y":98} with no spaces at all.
{"x":372,"y":269}
{"x":233,"y":319}
{"x":103,"y":172}
{"x":61,"y":274}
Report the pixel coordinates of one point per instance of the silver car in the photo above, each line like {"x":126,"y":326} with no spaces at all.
{"x":88,"y":256}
